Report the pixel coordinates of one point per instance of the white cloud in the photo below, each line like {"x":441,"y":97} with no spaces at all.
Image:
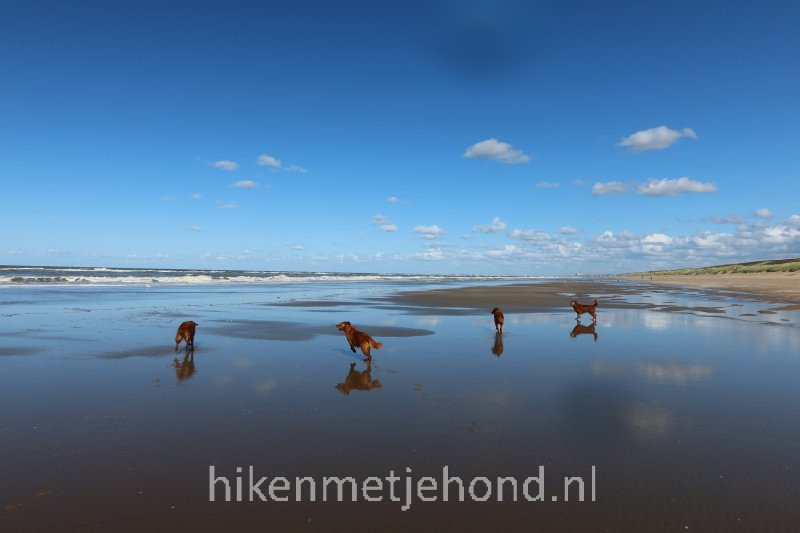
{"x":225,"y":165}
{"x":495,"y":226}
{"x":499,"y":151}
{"x":567,"y":230}
{"x":793,"y":220}
{"x":606,"y":189}
{"x":657,"y":238}
{"x":244,"y":184}
{"x":275,"y":164}
{"x":383,"y":221}
{"x":429,"y":232}
{"x":433,"y":254}
{"x":529,"y":235}
{"x":393,"y":199}
{"x":764,"y":213}
{"x":674,"y":187}
{"x":655,"y":138}
{"x":297,"y":246}
{"x":781,"y":234}
{"x":14,"y":252}
{"x":547,"y":185}
{"x":196,"y":196}
{"x":195,"y":228}
{"x":167,"y":198}
{"x":265,"y":160}
{"x":229,"y":205}
{"x":505,"y":252}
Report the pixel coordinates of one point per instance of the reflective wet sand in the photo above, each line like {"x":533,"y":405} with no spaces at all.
{"x":688,"y":415}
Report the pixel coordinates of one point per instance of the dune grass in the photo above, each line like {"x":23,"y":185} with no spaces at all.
{"x":777,"y":265}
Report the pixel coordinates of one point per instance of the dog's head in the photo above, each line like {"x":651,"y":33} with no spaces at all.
{"x":496,"y":310}
{"x":574,"y":303}
{"x":342,"y":326}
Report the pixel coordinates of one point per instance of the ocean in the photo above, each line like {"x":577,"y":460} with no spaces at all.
{"x":39,"y":275}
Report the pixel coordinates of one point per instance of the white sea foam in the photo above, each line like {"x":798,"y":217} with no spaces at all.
{"x":75,"y":276}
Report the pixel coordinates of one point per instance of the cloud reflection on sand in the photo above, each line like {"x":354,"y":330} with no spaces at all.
{"x":429,"y":321}
{"x":658,"y":372}
{"x":265,"y":386}
{"x":674,"y":373}
{"x":650,"y":421}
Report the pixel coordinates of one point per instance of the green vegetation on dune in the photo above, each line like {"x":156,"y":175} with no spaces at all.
{"x":777,"y":265}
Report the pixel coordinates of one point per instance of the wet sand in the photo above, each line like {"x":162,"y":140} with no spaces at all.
{"x":629,"y":293}
{"x":770,"y":286}
{"x":293,"y":331}
{"x":688,"y":416}
{"x":522,"y":297}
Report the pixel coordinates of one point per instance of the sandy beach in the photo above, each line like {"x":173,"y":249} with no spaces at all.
{"x":550,"y":296}
{"x":519,"y":297}
{"x":772,"y":286}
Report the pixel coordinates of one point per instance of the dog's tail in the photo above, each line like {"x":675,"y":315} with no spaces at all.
{"x":596,"y":302}
{"x":377,"y":345}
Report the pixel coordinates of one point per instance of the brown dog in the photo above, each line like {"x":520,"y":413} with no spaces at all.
{"x":580,"y":329}
{"x":356,"y":380}
{"x":582,"y":308}
{"x":498,"y":319}
{"x":358,"y":338}
{"x":185,"y":333}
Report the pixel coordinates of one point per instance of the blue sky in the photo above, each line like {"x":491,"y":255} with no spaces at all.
{"x":516,"y":137}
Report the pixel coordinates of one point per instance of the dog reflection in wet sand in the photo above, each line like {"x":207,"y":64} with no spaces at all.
{"x":356,"y":380}
{"x":580,"y":329}
{"x":184,"y":369}
{"x":358,"y":338}
{"x":497,"y":348}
